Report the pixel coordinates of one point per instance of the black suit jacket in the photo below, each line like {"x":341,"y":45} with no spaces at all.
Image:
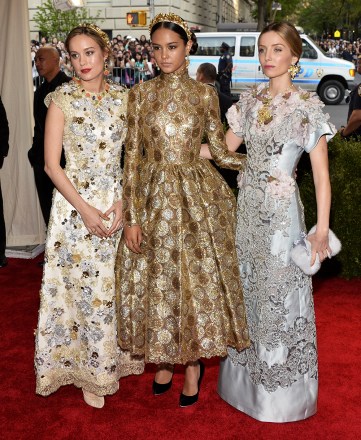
{"x":225,"y":102}
{"x":4,"y":133}
{"x":36,"y":153}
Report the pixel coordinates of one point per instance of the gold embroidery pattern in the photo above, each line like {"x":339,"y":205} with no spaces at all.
{"x":181,"y":299}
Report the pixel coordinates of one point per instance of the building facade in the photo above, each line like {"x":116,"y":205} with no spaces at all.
{"x":199,"y":14}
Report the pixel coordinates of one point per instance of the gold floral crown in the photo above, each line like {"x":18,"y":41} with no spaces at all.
{"x":98,"y":31}
{"x":172,"y":18}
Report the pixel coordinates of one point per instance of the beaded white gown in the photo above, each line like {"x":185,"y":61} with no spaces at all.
{"x":76,"y":338}
{"x":276,"y":379}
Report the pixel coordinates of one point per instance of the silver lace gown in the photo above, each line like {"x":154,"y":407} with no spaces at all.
{"x":275,"y":380}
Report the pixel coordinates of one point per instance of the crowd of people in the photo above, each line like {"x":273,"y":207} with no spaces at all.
{"x":131,"y":59}
{"x":347,"y":50}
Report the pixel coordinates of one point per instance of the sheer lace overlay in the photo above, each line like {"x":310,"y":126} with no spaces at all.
{"x":278,"y":373}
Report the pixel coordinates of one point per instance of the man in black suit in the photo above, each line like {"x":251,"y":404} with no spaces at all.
{"x":207,"y":74}
{"x":4,"y":149}
{"x":47,"y":64}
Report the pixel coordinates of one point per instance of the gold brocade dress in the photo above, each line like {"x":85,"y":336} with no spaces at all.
{"x":181,"y":299}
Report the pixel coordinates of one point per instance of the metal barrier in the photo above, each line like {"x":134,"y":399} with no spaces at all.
{"x":126,"y":76}
{"x":129,"y":76}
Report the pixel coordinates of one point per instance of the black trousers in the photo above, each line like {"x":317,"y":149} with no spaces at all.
{"x":225,"y":85}
{"x":45,"y":188}
{"x":2,"y":228}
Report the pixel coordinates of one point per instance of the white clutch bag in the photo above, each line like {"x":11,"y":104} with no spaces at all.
{"x":301,"y":252}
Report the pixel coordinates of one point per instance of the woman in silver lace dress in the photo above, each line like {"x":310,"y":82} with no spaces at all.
{"x":275,"y":380}
{"x":76,"y":338}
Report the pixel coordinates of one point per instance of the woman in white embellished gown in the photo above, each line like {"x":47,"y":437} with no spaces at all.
{"x":76,"y":338}
{"x":275,"y":380}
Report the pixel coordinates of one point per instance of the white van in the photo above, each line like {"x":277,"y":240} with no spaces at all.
{"x":329,"y":77}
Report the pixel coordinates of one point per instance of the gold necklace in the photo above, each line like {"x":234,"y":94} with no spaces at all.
{"x":95,"y":96}
{"x":264,"y":114}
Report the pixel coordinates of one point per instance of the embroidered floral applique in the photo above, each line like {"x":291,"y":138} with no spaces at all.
{"x":280,"y":185}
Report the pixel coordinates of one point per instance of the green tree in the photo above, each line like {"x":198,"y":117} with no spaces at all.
{"x":325,"y":16}
{"x":265,"y":14}
{"x":55,"y":23}
{"x":288,"y":12}
{"x":261,"y":14}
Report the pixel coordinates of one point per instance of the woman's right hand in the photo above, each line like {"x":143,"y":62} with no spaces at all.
{"x":92,"y":219}
{"x":133,"y":238}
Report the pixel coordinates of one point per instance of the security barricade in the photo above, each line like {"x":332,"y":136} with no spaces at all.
{"x":129,"y":76}
{"x":126,"y":76}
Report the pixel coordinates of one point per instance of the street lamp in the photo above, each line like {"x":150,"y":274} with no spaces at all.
{"x":275,"y":7}
{"x":150,"y":3}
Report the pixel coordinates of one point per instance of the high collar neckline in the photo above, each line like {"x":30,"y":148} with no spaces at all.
{"x":174,"y":77}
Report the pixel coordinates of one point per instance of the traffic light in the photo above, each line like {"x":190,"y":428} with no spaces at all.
{"x":137,"y":18}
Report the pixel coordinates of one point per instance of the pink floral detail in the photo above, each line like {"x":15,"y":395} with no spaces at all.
{"x":240,"y":179}
{"x":280,"y":185}
{"x":234,"y":118}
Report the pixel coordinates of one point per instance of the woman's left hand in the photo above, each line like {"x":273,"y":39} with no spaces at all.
{"x":116,"y":209}
{"x":320,"y":246}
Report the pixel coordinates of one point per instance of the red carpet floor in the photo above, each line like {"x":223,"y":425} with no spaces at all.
{"x":134,"y":413}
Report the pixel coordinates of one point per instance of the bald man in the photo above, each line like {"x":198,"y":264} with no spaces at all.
{"x":47,"y":64}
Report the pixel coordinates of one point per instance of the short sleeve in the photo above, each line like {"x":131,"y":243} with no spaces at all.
{"x":236,"y":115}
{"x":316,"y":124}
{"x":235,"y":120}
{"x":326,"y":129}
{"x":58,"y":97}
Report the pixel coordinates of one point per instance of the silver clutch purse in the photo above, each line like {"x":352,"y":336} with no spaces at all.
{"x":301,"y":252}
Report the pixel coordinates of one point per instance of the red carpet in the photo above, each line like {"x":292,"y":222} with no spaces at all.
{"x":134,"y":413}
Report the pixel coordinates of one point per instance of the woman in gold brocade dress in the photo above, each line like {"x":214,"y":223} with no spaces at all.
{"x":178,"y":283}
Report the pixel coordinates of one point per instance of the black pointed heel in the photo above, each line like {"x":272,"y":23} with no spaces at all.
{"x":184,"y":400}
{"x":161,"y":388}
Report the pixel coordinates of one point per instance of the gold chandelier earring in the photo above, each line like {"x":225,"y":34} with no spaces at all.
{"x":106,"y":70}
{"x":294,"y":69}
{"x":187,"y":60}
